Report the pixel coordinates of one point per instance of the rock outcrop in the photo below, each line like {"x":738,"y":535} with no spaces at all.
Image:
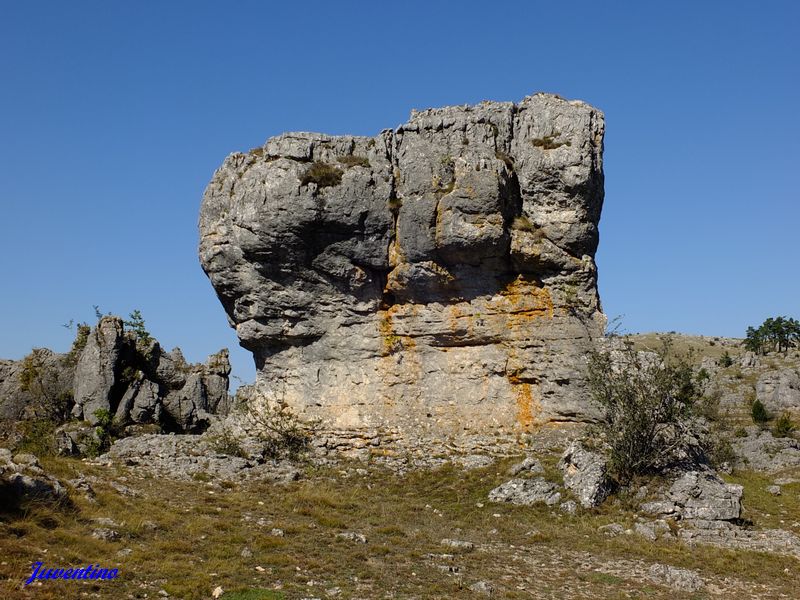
{"x":138,"y":383}
{"x":780,"y":390}
{"x":585,"y":474}
{"x":22,"y":480}
{"x":111,"y":373}
{"x":438,"y":277}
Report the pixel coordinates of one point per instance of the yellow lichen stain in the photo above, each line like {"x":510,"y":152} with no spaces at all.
{"x":524,"y":298}
{"x":528,"y":407}
{"x":392,"y":341}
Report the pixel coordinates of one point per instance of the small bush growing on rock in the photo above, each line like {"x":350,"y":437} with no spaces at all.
{"x":354,"y":161}
{"x":103,"y":433}
{"x":784,"y":427}
{"x":227,"y":443}
{"x":759,"y":412}
{"x":648,"y":402}
{"x":323,"y":174}
{"x":135,"y":323}
{"x":549,"y":142}
{"x":277,"y":428}
{"x":78,"y":344}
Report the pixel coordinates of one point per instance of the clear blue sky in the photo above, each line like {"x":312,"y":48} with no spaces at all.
{"x":113,"y":117}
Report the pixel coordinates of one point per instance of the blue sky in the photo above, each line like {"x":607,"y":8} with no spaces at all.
{"x":113,"y":117}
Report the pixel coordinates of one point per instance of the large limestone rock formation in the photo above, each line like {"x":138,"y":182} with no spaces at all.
{"x":435,"y":279}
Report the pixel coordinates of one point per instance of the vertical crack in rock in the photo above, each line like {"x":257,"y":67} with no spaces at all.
{"x":438,"y":279}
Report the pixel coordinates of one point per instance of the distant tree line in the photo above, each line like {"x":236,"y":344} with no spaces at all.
{"x":774,"y":334}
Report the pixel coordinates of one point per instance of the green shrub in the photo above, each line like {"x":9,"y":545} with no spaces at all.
{"x":740,"y":432}
{"x":720,"y":451}
{"x":37,"y":437}
{"x":759,"y":412}
{"x":708,"y":406}
{"x":104,"y":433}
{"x":725,"y":360}
{"x":228,"y":444}
{"x":322,"y":174}
{"x":647,"y":401}
{"x":136,"y":324}
{"x":277,"y":428}
{"x":784,"y":427}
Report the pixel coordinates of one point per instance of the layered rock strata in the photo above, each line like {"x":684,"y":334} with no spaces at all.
{"x":438,"y":278}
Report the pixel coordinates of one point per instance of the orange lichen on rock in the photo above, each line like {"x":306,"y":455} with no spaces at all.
{"x":528,"y":407}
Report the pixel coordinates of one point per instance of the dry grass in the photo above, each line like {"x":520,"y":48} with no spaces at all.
{"x":189,"y":538}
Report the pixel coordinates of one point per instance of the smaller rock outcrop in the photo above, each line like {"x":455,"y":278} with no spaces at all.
{"x":112,"y":375}
{"x":761,"y":451}
{"x":22,"y":479}
{"x":682,"y":580}
{"x":133,"y":379}
{"x":585,"y":474}
{"x":779,"y":390}
{"x":98,"y":369}
{"x":700,"y":496}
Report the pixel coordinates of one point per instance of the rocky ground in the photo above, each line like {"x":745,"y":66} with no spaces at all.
{"x":184,"y":516}
{"x":366,"y":529}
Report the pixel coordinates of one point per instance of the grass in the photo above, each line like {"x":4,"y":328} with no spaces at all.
{"x":762,"y":508}
{"x":354,"y":161}
{"x":549,"y":142}
{"x":252,"y":594}
{"x":322,"y":174}
{"x":190,"y":540}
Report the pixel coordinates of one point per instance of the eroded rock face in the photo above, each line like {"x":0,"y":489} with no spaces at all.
{"x":439,"y":278}
{"x":780,"y":390}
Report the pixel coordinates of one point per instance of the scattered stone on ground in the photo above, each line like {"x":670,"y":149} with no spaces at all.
{"x":22,"y":479}
{"x":353,"y":537}
{"x":458,"y":545}
{"x":682,"y":580}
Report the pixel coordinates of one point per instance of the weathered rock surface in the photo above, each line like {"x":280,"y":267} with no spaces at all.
{"x":700,"y":496}
{"x":54,"y":380}
{"x":761,"y":451}
{"x":585,"y":474}
{"x":676,"y":578}
{"x":22,"y":479}
{"x":98,"y":369}
{"x":526,"y":492}
{"x":779,"y":391}
{"x":184,"y":457}
{"x":439,"y":277}
{"x":117,"y":372}
{"x":139,"y":383}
